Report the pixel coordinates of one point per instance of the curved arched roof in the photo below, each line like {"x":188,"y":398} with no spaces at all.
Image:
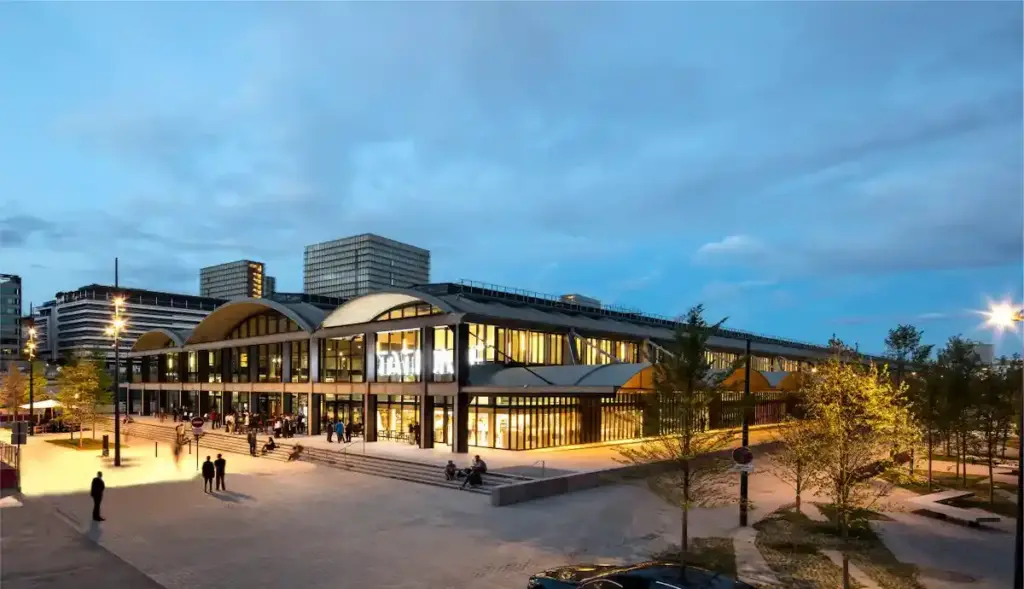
{"x":217,"y":325}
{"x":367,"y":307}
{"x":157,"y":339}
{"x":604,"y":375}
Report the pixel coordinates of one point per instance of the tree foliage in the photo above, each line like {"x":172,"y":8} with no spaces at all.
{"x":685,"y":386}
{"x":13,"y":387}
{"x":854,"y":414}
{"x":78,"y":391}
{"x":794,"y":462}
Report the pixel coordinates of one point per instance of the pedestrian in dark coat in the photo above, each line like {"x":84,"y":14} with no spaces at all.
{"x":252,"y":442}
{"x":220,"y":464}
{"x":96,"y":492}
{"x":208,"y":471}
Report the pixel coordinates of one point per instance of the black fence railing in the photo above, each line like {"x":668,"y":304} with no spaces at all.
{"x":10,"y":455}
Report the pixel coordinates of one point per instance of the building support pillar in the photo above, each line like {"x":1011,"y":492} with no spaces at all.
{"x":370,"y":417}
{"x":460,"y":435}
{"x":426,"y":376}
{"x":286,"y":361}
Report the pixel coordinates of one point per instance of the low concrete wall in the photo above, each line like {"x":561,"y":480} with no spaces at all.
{"x":560,"y":485}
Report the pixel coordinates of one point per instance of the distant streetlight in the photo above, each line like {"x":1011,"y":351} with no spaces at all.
{"x":30,"y":352}
{"x":1005,"y":317}
{"x":114,"y":330}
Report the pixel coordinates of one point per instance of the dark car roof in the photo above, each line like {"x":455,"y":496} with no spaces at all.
{"x":673,"y":575}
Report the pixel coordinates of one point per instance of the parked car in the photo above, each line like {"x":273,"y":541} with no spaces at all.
{"x":648,"y":575}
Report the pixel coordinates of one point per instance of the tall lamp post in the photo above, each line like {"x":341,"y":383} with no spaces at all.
{"x":114,"y":330}
{"x":1005,"y":317}
{"x":30,"y":352}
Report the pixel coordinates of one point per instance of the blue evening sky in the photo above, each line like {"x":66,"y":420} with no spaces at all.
{"x":802,"y":168}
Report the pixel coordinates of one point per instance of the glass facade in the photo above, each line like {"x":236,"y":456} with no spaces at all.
{"x":215,"y":360}
{"x":398,"y":356}
{"x":341,"y":360}
{"x":239,"y":365}
{"x":395,"y":414}
{"x":268,"y":362}
{"x":407,"y":311}
{"x":192,"y":369}
{"x":524,"y":423}
{"x":300,"y":361}
{"x":266,"y":323}
{"x":171,"y":368}
{"x":622,"y":416}
{"x":489,"y":343}
{"x":348,"y":408}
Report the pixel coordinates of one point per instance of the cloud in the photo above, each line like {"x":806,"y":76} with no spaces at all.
{"x":509,"y":137}
{"x":906,"y":318}
{"x":732,"y":246}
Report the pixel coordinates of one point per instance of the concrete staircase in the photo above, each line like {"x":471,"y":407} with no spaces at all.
{"x":393,"y":468}
{"x":403,"y":470}
{"x":213,"y":441}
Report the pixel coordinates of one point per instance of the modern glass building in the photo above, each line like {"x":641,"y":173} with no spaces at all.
{"x":10,"y":318}
{"x":239,"y":279}
{"x":358,"y":265}
{"x":469,"y":364}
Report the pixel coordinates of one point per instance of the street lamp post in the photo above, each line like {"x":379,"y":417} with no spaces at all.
{"x":30,"y":351}
{"x":114,"y":330}
{"x":1002,"y":317}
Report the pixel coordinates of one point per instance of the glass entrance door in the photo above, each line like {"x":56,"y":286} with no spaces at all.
{"x":442,"y":424}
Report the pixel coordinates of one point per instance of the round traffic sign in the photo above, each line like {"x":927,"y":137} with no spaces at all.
{"x":197,"y":422}
{"x":742,"y":455}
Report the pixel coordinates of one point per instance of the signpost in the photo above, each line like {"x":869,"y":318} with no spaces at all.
{"x":743,"y":460}
{"x":197,"y":432}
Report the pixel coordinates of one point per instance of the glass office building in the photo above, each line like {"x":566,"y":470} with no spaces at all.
{"x":239,"y":279}
{"x":463,"y":365}
{"x":361,"y":264}
{"x":10,"y":318}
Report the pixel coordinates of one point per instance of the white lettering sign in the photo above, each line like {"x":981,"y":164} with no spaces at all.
{"x":406,"y":362}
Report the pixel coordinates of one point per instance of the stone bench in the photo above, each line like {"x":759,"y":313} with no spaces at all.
{"x":932,"y":503}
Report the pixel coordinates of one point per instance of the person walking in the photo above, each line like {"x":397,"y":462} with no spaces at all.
{"x":220,"y":464}
{"x":97,"y":496}
{"x":252,"y":442}
{"x":330,"y":432}
{"x":208,"y":471}
{"x":339,"y":430}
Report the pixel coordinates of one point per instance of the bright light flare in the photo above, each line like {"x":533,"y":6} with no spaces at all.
{"x":1003,"y":316}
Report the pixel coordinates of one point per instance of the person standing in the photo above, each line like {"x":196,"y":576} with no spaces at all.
{"x":208,"y":471}
{"x":220,"y":465}
{"x":252,"y":442}
{"x":97,"y":496}
{"x":339,"y":430}
{"x":330,"y":432}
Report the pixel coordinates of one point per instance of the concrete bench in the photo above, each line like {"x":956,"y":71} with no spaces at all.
{"x":932,"y":504}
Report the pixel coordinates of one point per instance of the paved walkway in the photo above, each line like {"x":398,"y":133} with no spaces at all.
{"x":751,"y":566}
{"x":41,"y":550}
{"x":858,"y":575}
{"x":49,"y":469}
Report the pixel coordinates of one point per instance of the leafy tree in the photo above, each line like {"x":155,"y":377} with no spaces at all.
{"x":903,"y":346}
{"x":794,"y":463}
{"x":854,"y":414}
{"x":78,"y":385}
{"x":993,"y":412}
{"x":105,"y":390}
{"x":39,"y":380}
{"x":12,"y":389}
{"x":685,"y":386}
{"x":960,"y":366}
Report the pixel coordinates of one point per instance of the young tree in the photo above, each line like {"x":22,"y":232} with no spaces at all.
{"x":78,"y":385}
{"x":854,"y":413}
{"x":105,"y":388}
{"x":992,"y":412}
{"x":903,"y":346}
{"x":12,"y":389}
{"x":794,"y":463}
{"x":685,"y":386}
{"x":960,"y":367}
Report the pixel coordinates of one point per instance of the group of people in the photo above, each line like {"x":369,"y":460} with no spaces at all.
{"x":214,"y":470}
{"x":343,"y":431}
{"x":472,"y":476}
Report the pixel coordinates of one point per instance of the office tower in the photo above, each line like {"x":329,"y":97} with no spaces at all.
{"x":269,"y":286}
{"x":357,"y":265}
{"x":74,"y":322}
{"x":10,"y":318}
{"x":243,"y":278}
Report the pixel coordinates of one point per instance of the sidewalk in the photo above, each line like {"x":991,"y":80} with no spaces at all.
{"x":41,"y":550}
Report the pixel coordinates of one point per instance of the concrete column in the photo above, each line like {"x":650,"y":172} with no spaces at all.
{"x":286,"y":361}
{"x":370,"y":364}
{"x":182,"y":366}
{"x":314,"y":359}
{"x":314,"y":413}
{"x":203,"y":366}
{"x":161,"y":368}
{"x":254,"y":358}
{"x":225,"y":364}
{"x":460,"y":435}
{"x":370,"y":417}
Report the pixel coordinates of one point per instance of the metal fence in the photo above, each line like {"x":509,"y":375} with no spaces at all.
{"x":10,"y":456}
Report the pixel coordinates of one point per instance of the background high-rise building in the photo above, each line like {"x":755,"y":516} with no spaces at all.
{"x":74,"y":322}
{"x":243,"y":278}
{"x":10,"y":318}
{"x":360,"y":264}
{"x":269,"y":286}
